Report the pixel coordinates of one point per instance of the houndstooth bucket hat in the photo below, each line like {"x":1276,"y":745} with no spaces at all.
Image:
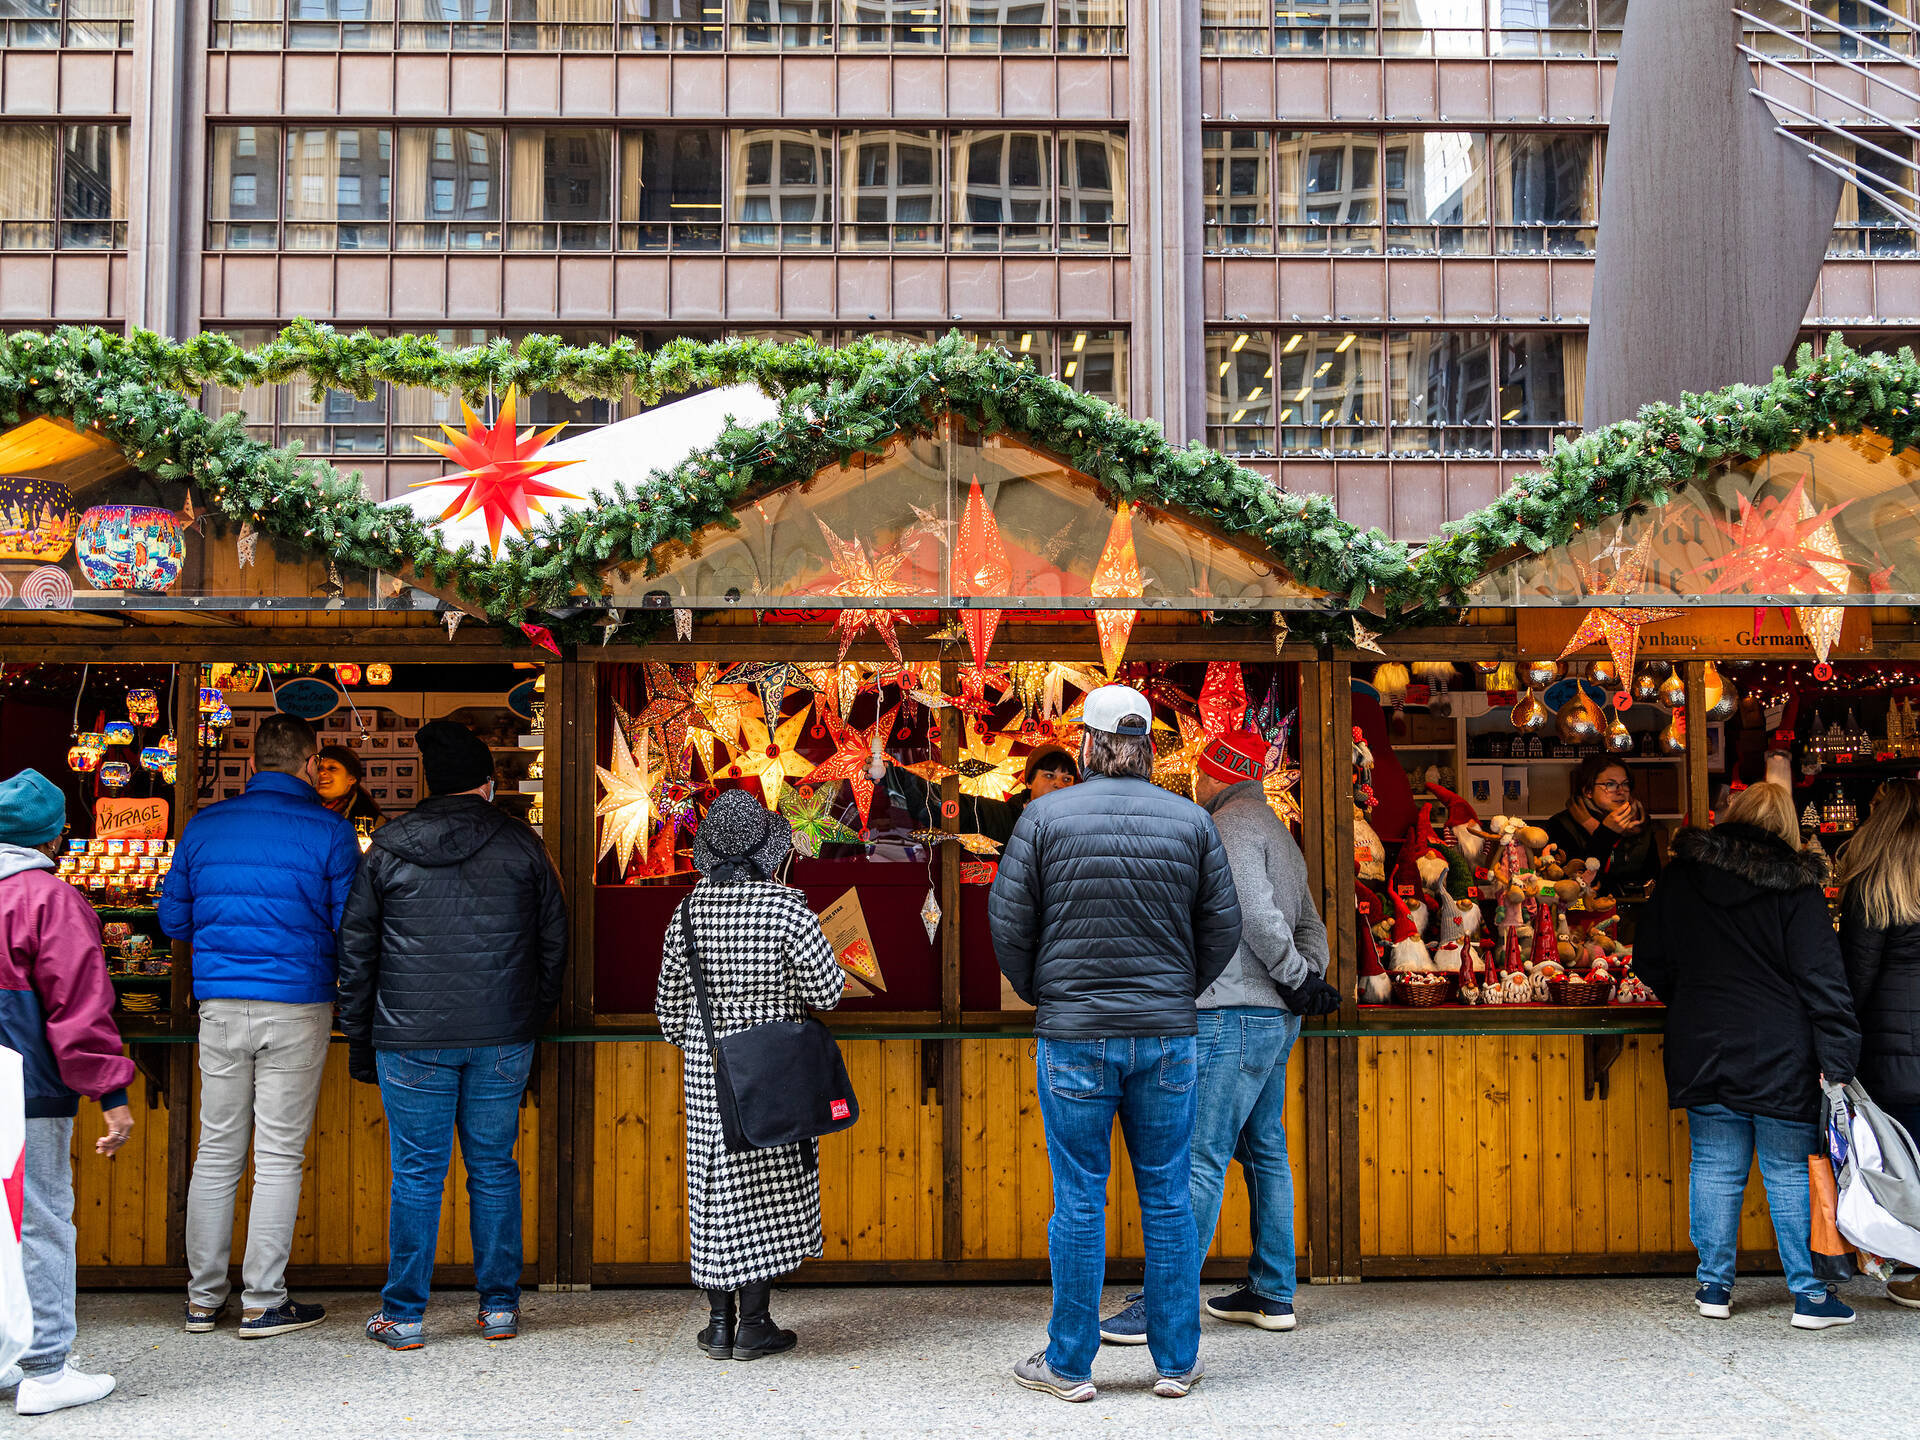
{"x":741,"y":839}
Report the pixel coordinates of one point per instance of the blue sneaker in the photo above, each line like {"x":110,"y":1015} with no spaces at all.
{"x":1714,"y":1301}
{"x":396,"y":1334}
{"x":1129,"y":1326}
{"x":1243,"y":1307}
{"x":283,"y":1319}
{"x":1821,"y":1314}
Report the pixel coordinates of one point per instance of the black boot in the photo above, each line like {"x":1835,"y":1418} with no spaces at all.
{"x":717,"y":1338}
{"x":758,"y":1336}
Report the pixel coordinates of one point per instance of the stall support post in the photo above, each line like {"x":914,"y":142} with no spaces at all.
{"x":182,"y":1060}
{"x":945,"y":1073}
{"x":567,"y":1116}
{"x":1699,"y":795}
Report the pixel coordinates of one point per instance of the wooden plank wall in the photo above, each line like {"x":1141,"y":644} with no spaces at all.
{"x":120,"y":1207}
{"x":1478,"y":1146}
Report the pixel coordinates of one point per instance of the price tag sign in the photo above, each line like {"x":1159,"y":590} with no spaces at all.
{"x":1419,"y":694}
{"x":1884,"y":755}
{"x":1845,"y":757}
{"x":1497,"y":698}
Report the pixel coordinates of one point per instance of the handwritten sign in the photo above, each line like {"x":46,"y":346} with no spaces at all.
{"x":141,"y":819}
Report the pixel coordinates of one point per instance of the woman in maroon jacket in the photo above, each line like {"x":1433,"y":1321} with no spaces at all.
{"x":56,"y":1009}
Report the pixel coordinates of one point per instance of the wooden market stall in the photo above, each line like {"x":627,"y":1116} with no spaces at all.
{"x":722,"y":616}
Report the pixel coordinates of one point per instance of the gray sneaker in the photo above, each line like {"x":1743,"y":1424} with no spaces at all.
{"x":1036,"y":1374}
{"x":1175,"y":1387}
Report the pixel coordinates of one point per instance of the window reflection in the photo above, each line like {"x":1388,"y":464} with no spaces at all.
{"x":560,"y":188}
{"x":1547,"y":194}
{"x":1328,"y":196}
{"x":1331,"y":392}
{"x":1865,"y":225}
{"x":1443,"y":391}
{"x":670,"y":191}
{"x":1002,"y":189}
{"x":1240,"y":392}
{"x":782,"y":189}
{"x":1434,"y":185}
{"x":1236,"y":186}
{"x":892,"y":190}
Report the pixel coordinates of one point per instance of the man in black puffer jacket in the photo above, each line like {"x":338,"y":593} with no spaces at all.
{"x":1113,"y":909}
{"x":451,"y":954}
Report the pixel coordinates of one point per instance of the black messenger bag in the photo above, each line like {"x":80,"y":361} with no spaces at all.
{"x":777,"y":1083}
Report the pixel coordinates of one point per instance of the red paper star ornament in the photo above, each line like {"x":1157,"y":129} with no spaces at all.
{"x":849,"y":761}
{"x":866,"y":579}
{"x":502,"y":470}
{"x":1116,"y":577}
{"x":1774,"y":548}
{"x":1617,"y":627}
{"x":981,"y":567}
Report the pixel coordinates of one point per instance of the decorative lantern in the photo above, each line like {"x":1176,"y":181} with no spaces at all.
{"x":1540,"y":672}
{"x":171,"y":773}
{"x":1530,"y":717}
{"x":1673,"y":739}
{"x":1673,"y":693}
{"x":154,"y":759}
{"x":1646,"y":685}
{"x":241,"y":677}
{"x":36,"y":519}
{"x":347,"y":674}
{"x":1605,"y":674}
{"x":119,"y":732}
{"x":1580,"y":721}
{"x":221,"y":718}
{"x":1619,"y":739}
{"x":171,"y":744}
{"x":130,"y":547}
{"x":115,"y":774}
{"x":1723,"y":699}
{"x":143,"y":707}
{"x":210,"y":699}
{"x":381,"y":673}
{"x":83,"y":758}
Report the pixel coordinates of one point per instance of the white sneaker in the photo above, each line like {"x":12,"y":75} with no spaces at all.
{"x":69,"y":1388}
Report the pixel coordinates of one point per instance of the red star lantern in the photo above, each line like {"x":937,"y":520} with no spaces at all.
{"x":1223,"y":698}
{"x":669,"y":714}
{"x":1116,"y":577}
{"x":980,"y":567}
{"x":1619,"y":628}
{"x":866,"y":579}
{"x":849,"y":761}
{"x":502,"y":466}
{"x":1774,"y":548}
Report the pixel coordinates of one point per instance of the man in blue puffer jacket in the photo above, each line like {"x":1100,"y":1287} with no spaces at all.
{"x":258,"y":886}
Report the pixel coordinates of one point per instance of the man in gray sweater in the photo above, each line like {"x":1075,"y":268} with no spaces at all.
{"x":1249,"y":1019}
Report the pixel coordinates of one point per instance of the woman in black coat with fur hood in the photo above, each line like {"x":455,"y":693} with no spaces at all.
{"x":1737,"y":941}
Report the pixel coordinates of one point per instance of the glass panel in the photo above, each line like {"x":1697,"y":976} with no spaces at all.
{"x":1433,"y":27}
{"x":1034,"y":345}
{"x":781,"y":189}
{"x":1002,"y":189}
{"x":1328,"y":191}
{"x":256,"y":402}
{"x":1236,"y":187}
{"x":1861,"y":31}
{"x":1331,"y":392}
{"x":560,"y":190}
{"x":1234,"y":27}
{"x":1543,"y":383}
{"x":1865,"y":226}
{"x":337,"y":187}
{"x":1240,"y":392}
{"x":1869,"y":494}
{"x":1778,"y":15}
{"x":1097,"y":27}
{"x":780,"y":24}
{"x":339,"y":24}
{"x":1093,"y":191}
{"x":447,"y":194}
{"x":100,"y":23}
{"x":891,"y":190}
{"x":890,"y":24}
{"x":1095,"y":363}
{"x":561,"y":25}
{"x":1546,"y":194}
{"x":999,"y":24}
{"x":1318,"y":26}
{"x":1442,"y":392}
{"x":670,"y":191}
{"x":671,"y":24}
{"x":26,"y":187}
{"x":450,"y":24}
{"x":1609,"y":18}
{"x":30,"y":23}
{"x":247,"y":24}
{"x":1434,"y":189}
{"x":93,"y":185}
{"x":418,"y":412}
{"x":243,"y":187}
{"x":1540,"y":27}
{"x":336,"y":423}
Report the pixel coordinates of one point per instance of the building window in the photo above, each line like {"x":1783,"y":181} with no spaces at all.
{"x":63,"y":187}
{"x":303,"y":24}
{"x":446,"y":193}
{"x":337,"y":188}
{"x":1865,"y":226}
{"x":76,"y":24}
{"x":891,"y":190}
{"x":780,"y":192}
{"x":559,"y":190}
{"x":670,"y":189}
{"x":561,"y":25}
{"x":1413,"y":27}
{"x":1425,"y":192}
{"x":1421,"y":393}
{"x":1002,"y":189}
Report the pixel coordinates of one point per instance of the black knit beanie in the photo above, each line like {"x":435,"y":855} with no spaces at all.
{"x":452,"y":758}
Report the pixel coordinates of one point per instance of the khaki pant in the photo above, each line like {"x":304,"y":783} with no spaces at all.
{"x":260,"y":1068}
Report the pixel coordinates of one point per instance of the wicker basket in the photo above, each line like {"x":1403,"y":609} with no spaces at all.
{"x":1579,"y":992}
{"x":1423,"y":989}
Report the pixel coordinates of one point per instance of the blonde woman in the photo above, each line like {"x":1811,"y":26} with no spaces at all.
{"x":1738,"y":943}
{"x":1880,"y":939}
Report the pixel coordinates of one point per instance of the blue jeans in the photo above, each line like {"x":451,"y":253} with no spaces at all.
{"x":1724,"y":1142}
{"x":429,"y":1094}
{"x":1149,"y":1083}
{"x":1241,"y":1115}
{"x":47,"y":1238}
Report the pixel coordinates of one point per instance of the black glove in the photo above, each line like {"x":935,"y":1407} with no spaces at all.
{"x":1314,"y":996}
{"x":360,"y":1063}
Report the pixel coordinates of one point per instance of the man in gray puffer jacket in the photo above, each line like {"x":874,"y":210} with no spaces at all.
{"x":1113,"y":910}
{"x":1249,"y":1020}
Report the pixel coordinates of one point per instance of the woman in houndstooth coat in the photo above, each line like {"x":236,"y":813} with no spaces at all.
{"x":751,"y":1214}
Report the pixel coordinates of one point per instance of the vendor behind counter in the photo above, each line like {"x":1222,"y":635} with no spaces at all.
{"x":1049,"y":768}
{"x":1606,"y":821}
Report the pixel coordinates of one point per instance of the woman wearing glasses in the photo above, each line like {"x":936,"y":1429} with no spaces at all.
{"x":1604,"y":821}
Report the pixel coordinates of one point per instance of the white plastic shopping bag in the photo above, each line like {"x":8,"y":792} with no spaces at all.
{"x":1861,"y":1216}
{"x":16,"y":1312}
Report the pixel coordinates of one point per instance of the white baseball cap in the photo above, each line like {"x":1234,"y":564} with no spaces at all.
{"x":1118,"y":710}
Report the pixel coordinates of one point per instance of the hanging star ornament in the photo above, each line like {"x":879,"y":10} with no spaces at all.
{"x":1365,"y":639}
{"x":980,"y":567}
{"x":849,"y":761}
{"x":1116,"y":577}
{"x":988,"y":768}
{"x":1618,"y":627}
{"x":451,"y":619}
{"x":669,"y":714}
{"x":811,"y":815}
{"x":772,"y":755}
{"x":502,"y":470}
{"x":248,"y":539}
{"x":930,"y":914}
{"x":1822,"y":623}
{"x":970,"y":840}
{"x":1774,"y":548}
{"x":773,"y":679}
{"x":1223,"y":698}
{"x":625,"y":810}
{"x":865,"y":579}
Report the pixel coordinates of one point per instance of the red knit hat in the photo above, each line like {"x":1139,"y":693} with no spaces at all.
{"x":1239,"y":755}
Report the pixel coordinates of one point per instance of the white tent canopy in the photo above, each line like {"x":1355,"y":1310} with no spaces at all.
{"x":627,"y":451}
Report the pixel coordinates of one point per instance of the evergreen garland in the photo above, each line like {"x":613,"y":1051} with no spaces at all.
{"x":142,"y":391}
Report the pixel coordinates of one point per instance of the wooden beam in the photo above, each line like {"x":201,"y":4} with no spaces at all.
{"x":181,"y":1103}
{"x":1699,"y":796}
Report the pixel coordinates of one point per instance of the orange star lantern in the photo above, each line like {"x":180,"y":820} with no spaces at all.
{"x":981,"y":567}
{"x":850,"y":760}
{"x":1773,"y":548}
{"x":1619,"y":628}
{"x":502,"y":469}
{"x":867,"y":580}
{"x":1116,"y":577}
